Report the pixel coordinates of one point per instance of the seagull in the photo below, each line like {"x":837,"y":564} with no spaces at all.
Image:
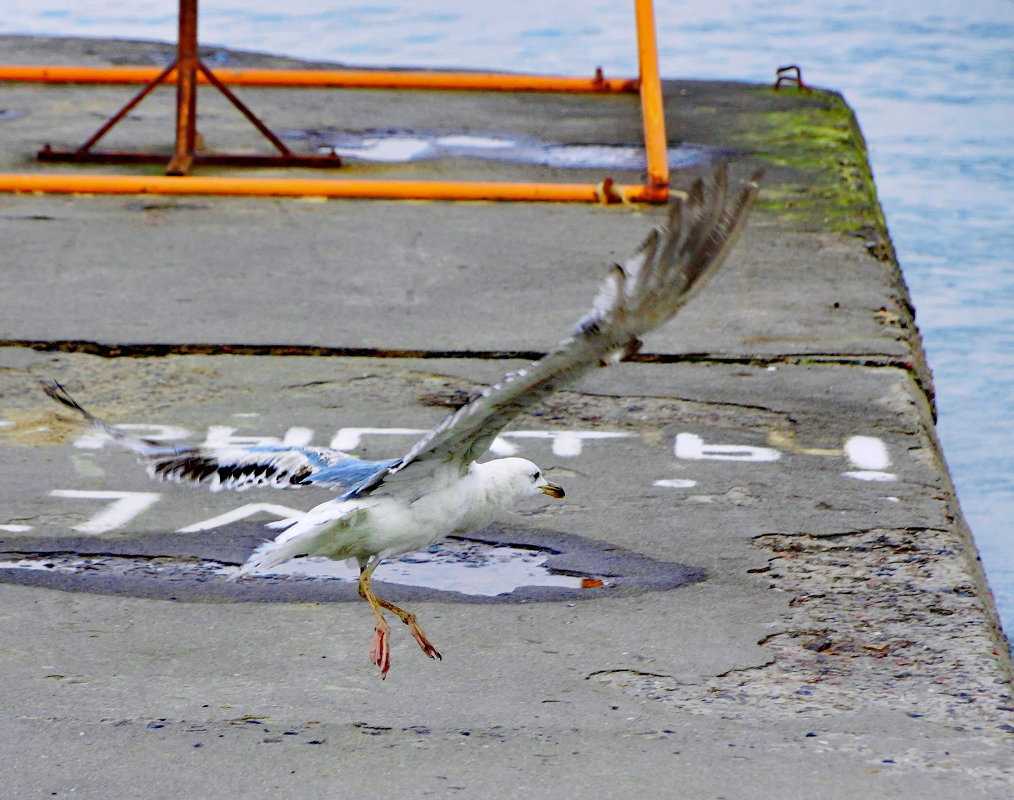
{"x":384,"y":509}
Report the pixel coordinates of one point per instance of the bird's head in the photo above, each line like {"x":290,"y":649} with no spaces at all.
{"x":519,"y":478}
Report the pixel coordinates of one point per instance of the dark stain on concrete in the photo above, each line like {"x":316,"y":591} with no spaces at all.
{"x":182,"y":567}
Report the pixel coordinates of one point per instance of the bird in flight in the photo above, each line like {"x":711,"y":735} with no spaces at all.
{"x":384,"y":509}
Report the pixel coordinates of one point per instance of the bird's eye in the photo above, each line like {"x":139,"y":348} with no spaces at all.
{"x":536,"y":476}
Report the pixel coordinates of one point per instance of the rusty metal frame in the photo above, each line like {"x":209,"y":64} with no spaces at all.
{"x":188,"y":71}
{"x":185,"y":68}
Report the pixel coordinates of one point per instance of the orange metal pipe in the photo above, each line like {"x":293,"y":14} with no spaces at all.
{"x":309,"y":187}
{"x":648,"y":85}
{"x":358,"y":79}
{"x":651,"y":97}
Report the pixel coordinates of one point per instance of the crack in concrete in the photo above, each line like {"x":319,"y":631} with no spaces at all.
{"x":41,"y":555}
{"x":688,"y":400}
{"x":599,"y":672}
{"x":158,"y":350}
{"x":754,"y":667}
{"x":913,"y":529}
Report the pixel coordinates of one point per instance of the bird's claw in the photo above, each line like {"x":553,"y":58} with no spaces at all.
{"x":380,"y":649}
{"x":420,"y":637}
{"x":425,"y":645}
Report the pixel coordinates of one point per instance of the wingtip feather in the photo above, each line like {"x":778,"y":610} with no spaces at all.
{"x":56,"y":391}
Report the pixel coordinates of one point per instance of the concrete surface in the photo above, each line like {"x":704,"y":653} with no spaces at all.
{"x":778,"y":436}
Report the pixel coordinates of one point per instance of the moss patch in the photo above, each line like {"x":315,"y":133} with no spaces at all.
{"x":821,"y":140}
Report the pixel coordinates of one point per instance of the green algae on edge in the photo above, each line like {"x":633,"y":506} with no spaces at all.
{"x":821,"y":137}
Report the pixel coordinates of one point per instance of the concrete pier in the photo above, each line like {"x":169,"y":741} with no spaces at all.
{"x":830,"y":634}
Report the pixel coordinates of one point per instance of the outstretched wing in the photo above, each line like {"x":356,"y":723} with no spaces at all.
{"x":236,"y":467}
{"x":668,"y":268}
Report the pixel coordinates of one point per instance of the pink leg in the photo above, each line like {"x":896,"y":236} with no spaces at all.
{"x":380,"y":652}
{"x":413,"y":626}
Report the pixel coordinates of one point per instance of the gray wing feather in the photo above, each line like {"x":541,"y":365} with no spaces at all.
{"x":669,"y":267}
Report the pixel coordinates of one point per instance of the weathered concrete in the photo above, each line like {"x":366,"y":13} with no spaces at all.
{"x":843,"y":643}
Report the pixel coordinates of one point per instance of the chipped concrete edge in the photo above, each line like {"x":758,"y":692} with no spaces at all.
{"x":899,"y":618}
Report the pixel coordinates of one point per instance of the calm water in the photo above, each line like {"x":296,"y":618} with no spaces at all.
{"x":931,"y":82}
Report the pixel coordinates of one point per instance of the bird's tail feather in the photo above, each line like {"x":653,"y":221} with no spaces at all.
{"x":308,"y":537}
{"x":266,"y":556}
{"x":274,"y":553}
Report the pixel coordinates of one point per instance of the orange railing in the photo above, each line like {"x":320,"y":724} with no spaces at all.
{"x":342,"y":78}
{"x":605,"y":192}
{"x":648,"y":84}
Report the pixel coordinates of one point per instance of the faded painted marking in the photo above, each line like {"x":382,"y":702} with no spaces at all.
{"x":298,"y":437}
{"x":222,"y":436}
{"x":502,"y":448}
{"x":288,"y":517}
{"x":787,"y":440}
{"x":567,"y":444}
{"x":676,"y":483}
{"x":349,"y":438}
{"x":867,"y":452}
{"x":85,"y":466}
{"x":125,"y":506}
{"x":692,"y":447}
{"x":15,"y":528}
{"x":96,"y":440}
{"x":871,"y":475}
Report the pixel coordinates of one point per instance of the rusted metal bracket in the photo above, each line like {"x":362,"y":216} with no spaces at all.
{"x":187,"y":66}
{"x":790,"y":74}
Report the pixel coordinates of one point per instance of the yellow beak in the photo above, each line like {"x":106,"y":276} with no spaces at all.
{"x":553,"y":490}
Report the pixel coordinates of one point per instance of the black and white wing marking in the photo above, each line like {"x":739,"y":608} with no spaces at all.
{"x":276,"y":467}
{"x":669,"y":267}
{"x":237,"y":468}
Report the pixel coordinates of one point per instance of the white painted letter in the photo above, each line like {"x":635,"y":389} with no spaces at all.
{"x":867,"y":452}
{"x":502,"y":448}
{"x":349,"y":438}
{"x":567,"y":444}
{"x":288,"y":517}
{"x":222,"y":436}
{"x":125,"y":506}
{"x":692,"y":447}
{"x":96,"y":439}
{"x":676,"y":483}
{"x":871,"y":475}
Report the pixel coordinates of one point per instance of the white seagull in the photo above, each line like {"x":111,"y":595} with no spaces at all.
{"x":387,"y":508}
